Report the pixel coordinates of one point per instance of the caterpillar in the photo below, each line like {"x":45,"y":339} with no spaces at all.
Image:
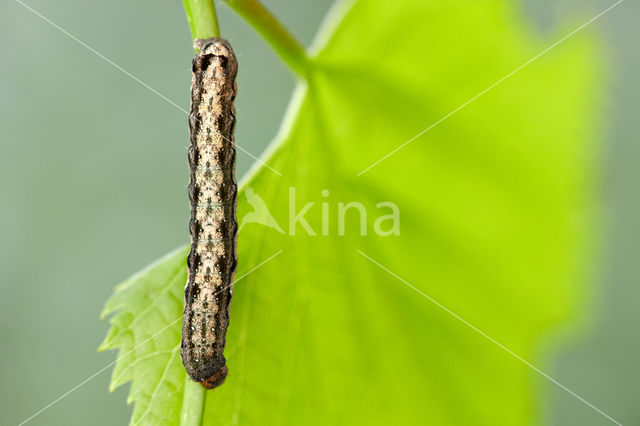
{"x":213,"y":226}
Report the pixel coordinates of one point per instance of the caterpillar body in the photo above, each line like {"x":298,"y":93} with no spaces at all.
{"x":213,"y":226}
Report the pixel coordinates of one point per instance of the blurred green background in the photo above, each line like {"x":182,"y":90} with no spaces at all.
{"x":86,"y":199}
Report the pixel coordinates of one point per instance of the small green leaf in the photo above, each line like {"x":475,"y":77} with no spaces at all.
{"x":494,"y":204}
{"x":145,"y":328}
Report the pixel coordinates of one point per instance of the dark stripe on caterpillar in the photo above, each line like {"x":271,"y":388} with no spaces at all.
{"x":213,"y":225}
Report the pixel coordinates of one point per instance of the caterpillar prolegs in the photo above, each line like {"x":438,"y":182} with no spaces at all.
{"x":213,"y":226}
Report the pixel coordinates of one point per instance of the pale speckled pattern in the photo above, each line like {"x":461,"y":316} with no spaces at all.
{"x":213,"y":225}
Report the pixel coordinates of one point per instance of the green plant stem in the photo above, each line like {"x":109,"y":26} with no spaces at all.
{"x":192,"y":403}
{"x":202,"y":18}
{"x":281,"y":40}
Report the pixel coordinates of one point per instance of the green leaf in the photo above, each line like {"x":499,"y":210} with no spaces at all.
{"x":145,"y":330}
{"x":495,"y":203}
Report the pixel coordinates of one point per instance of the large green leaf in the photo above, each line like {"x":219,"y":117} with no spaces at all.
{"x":494,"y":203}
